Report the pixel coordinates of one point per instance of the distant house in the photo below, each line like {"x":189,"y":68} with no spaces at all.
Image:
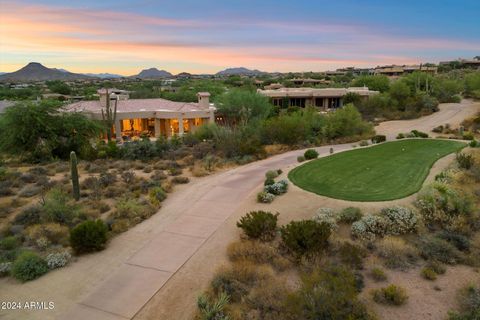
{"x":308,"y":81}
{"x":327,"y":98}
{"x":395,"y":71}
{"x":151,"y":117}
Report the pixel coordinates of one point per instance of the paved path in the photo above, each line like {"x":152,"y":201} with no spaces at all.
{"x":133,"y":284}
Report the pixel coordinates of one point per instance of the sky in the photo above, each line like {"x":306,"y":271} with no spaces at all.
{"x":206,"y":36}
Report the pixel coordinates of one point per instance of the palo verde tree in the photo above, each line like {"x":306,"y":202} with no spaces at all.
{"x":109,"y":115}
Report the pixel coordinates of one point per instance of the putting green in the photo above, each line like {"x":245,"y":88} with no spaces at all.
{"x":387,"y":171}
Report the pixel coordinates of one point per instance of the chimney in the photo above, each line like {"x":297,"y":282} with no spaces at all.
{"x":103,"y":97}
{"x":204,"y":99}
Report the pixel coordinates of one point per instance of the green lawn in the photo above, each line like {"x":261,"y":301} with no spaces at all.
{"x":388,"y":171}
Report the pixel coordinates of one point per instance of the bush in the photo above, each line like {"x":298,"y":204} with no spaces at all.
{"x":5,"y":268}
{"x":378,"y":274}
{"x":58,"y":259}
{"x":369,"y":227}
{"x":213,"y":309}
{"x":89,"y":236}
{"x":28,"y":216}
{"x":277,"y":188}
{"x":265,"y":197}
{"x":363,"y":143}
{"x":400,"y":220}
{"x":28,"y":266}
{"x":469,"y":298}
{"x":379,"y":139}
{"x":397,"y":253}
{"x":180,"y":180}
{"x":305,"y":237}
{"x":259,"y":225}
{"x":432,"y":248}
{"x":326,"y":215}
{"x":419,"y":134}
{"x":301,"y":158}
{"x":258,"y":253}
{"x":474,"y":144}
{"x":134,"y":210}
{"x":328,"y":293}
{"x":271,"y":174}
{"x":460,"y":242}
{"x":9,"y":243}
{"x":352,"y":255}
{"x":268,"y":182}
{"x":465,"y":161}
{"x":128,"y":176}
{"x":107,"y":178}
{"x":350,"y":215}
{"x":310,"y":154}
{"x":57,"y":208}
{"x":29,"y":191}
{"x":393,"y":295}
{"x":157,"y":195}
{"x":54,"y":233}
{"x":400,"y":136}
{"x":429,"y":274}
{"x":175,"y":171}
{"x":436,"y":266}
{"x":468,"y":136}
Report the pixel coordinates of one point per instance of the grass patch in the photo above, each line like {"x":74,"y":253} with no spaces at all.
{"x":383,"y":172}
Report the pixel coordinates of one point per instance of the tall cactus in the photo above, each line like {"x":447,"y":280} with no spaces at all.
{"x":74,"y":172}
{"x":109,"y":116}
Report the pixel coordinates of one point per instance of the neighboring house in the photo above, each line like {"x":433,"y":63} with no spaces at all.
{"x":152,"y":117}
{"x":395,"y":71}
{"x":327,"y":98}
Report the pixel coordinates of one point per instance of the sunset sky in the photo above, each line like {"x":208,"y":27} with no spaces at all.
{"x":209,"y":35}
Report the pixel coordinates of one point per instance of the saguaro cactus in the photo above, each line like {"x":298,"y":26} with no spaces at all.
{"x":109,"y":116}
{"x":74,"y":172}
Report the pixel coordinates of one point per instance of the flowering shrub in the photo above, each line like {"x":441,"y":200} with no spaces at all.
{"x":5,"y":268}
{"x":369,"y":227}
{"x":400,"y":220}
{"x":58,"y":259}
{"x":265,"y":197}
{"x":327,"y":216}
{"x":277,"y":188}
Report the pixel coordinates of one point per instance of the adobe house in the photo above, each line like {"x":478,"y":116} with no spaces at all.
{"x":151,"y":117}
{"x":325,"y":99}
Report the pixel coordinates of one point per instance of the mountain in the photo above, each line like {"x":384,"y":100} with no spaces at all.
{"x":239,"y":72}
{"x":104,"y":75}
{"x":35,"y":71}
{"x":153,"y":73}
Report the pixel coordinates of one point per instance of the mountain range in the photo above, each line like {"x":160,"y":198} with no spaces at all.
{"x":35,"y":71}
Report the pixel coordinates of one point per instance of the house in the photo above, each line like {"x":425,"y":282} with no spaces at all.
{"x":395,"y":71}
{"x":151,"y":117}
{"x":326,"y":98}
{"x":308,"y":81}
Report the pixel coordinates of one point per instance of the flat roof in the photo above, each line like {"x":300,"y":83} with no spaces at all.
{"x":315,"y":92}
{"x":137,"y":105}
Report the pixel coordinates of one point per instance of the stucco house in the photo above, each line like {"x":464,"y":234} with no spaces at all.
{"x":152,"y":117}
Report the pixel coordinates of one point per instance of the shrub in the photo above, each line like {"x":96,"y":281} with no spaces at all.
{"x":474,"y":144}
{"x":429,"y":274}
{"x":28,"y":266}
{"x":159,"y":175}
{"x":350,"y":215}
{"x":301,"y":158}
{"x":460,"y":242}
{"x":465,"y":161}
{"x":436,"y":266}
{"x":352,"y":255}
{"x":259,"y":225}
{"x":29,"y":191}
{"x":271,"y":174}
{"x":57,"y":208}
{"x":9,"y":243}
{"x":468,"y":136}
{"x":237,"y":279}
{"x":180,"y":180}
{"x":469,"y":298}
{"x":266,"y":300}
{"x":89,"y":236}
{"x":400,"y":220}
{"x":5,"y":268}
{"x":326,"y":215}
{"x":400,"y":136}
{"x":369,"y":227}
{"x":28,"y":216}
{"x":107,"y":178}
{"x":419,"y":134}
{"x":58,"y":259}
{"x":363,"y":143}
{"x":379,"y":139}
{"x":328,"y":293}
{"x":433,"y":248}
{"x":54,"y":233}
{"x":133,"y":209}
{"x":310,"y":154}
{"x":268,"y":181}
{"x":277,"y":188}
{"x":213,"y":309}
{"x":438,"y":129}
{"x":265,"y":197}
{"x":305,"y":237}
{"x":378,"y":274}
{"x":175,"y":171}
{"x":258,"y":253}
{"x":392,"y":294}
{"x":157,"y":195}
{"x":128,"y":176}
{"x":396,"y":253}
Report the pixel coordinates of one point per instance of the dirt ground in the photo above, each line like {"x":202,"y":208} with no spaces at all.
{"x":177,"y":298}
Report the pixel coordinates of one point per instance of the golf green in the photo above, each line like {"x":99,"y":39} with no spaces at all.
{"x":386,"y":171}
